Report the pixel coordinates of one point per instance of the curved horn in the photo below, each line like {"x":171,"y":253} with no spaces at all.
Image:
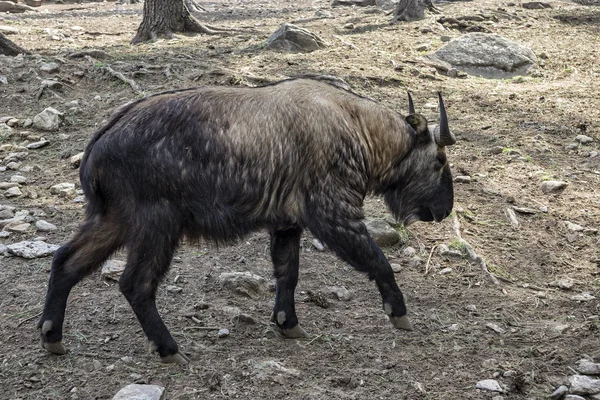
{"x":445,"y":138}
{"x":411,"y":105}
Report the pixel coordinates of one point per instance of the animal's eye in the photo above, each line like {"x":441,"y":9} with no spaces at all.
{"x":441,"y":159}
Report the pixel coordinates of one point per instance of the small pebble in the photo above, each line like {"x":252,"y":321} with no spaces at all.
{"x":223,"y":333}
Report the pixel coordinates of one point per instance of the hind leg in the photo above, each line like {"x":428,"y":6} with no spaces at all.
{"x":93,"y":244}
{"x":148,"y":261}
{"x":285,"y":253}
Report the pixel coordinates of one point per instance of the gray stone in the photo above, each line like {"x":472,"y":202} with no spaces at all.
{"x":244,"y":283}
{"x":224,"y":332}
{"x":4,"y":235}
{"x":584,"y":385}
{"x":27,"y":122}
{"x":6,"y":214}
{"x":50,"y":67}
{"x":174,"y":289}
{"x":471,"y":307}
{"x":39,"y":144}
{"x":462,"y":179}
{"x":135,"y":391}
{"x":415,"y":262}
{"x":573,"y":227}
{"x":13,"y":165}
{"x":18,"y":179}
{"x":6,"y":131}
{"x":409,"y":251}
{"x":13,"y":192}
{"x":18,"y":227}
{"x":357,"y":3}
{"x":63,"y":189}
{"x":587,"y":367}
{"x":8,"y":185}
{"x":490,"y":385}
{"x":536,"y":5}
{"x":381,"y":232}
{"x":291,"y":38}
{"x":574,"y":397}
{"x":48,"y":120}
{"x":559,"y":392}
{"x":30,"y":250}
{"x":341,"y":293}
{"x":397,"y":268}
{"x":44,"y":226}
{"x":76,"y":160}
{"x":583,"y":139}
{"x":12,"y":122}
{"x":583,"y":297}
{"x":271,"y":369}
{"x":550,"y":187}
{"x":113,"y":269}
{"x":486,"y":55}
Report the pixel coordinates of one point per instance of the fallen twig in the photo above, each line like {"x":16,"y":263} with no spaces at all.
{"x":512,"y":218}
{"x":429,"y":259}
{"x":29,"y":319}
{"x":471,"y":254}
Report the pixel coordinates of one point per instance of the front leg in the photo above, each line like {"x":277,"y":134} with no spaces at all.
{"x":285,"y":253}
{"x":350,"y":240}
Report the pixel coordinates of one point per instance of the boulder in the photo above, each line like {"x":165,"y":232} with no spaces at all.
{"x":292,"y":38}
{"x":486,"y":55}
{"x":244,"y":283}
{"x":30,"y":250}
{"x":382,"y":233}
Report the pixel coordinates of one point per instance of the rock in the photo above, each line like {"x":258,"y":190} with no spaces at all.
{"x":8,"y":30}
{"x":135,"y":391}
{"x":583,"y":297}
{"x":13,"y":192}
{"x":48,"y":120}
{"x":76,"y":159}
{"x":50,"y":67}
{"x":462,"y":179}
{"x":63,"y":189}
{"x":381,"y":232}
{"x":341,"y":293}
{"x":565,"y":283}
{"x":490,"y":385}
{"x":18,"y":179}
{"x":113,"y":269}
{"x":409,"y":251}
{"x":536,"y":5}
{"x":445,"y":251}
{"x":244,"y":283}
{"x":573,"y":227}
{"x":559,"y":392}
{"x":271,"y":369}
{"x":486,"y":55}
{"x":587,"y":367}
{"x":397,"y":268}
{"x":19,"y":227}
{"x":550,"y":187}
{"x":223,"y":333}
{"x":349,"y":25}
{"x":44,"y":226}
{"x":471,"y":307}
{"x":572,"y":146}
{"x":583,"y":139}
{"x":574,"y":397}
{"x":495,"y":328}
{"x":37,"y":145}
{"x":593,"y":154}
{"x":6,"y":214}
{"x":27,"y":123}
{"x":244,"y":318}
{"x":445,"y":271}
{"x":30,"y":250}
{"x":415,"y":262}
{"x":582,"y":384}
{"x":5,"y":131}
{"x":357,"y":3}
{"x":291,"y":38}
{"x":4,"y":235}
{"x":174,"y":289}
{"x":12,"y":122}
{"x":13,"y":165}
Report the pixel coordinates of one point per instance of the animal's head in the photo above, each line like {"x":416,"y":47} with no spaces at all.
{"x":420,"y":185}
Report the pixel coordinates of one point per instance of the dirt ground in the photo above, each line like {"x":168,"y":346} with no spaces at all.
{"x":512,"y":135}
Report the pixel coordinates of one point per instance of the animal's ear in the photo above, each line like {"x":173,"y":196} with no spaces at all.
{"x":418,"y":123}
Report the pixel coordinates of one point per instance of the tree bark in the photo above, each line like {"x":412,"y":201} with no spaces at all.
{"x":162,"y":18}
{"x":8,"y":48}
{"x":411,"y":10}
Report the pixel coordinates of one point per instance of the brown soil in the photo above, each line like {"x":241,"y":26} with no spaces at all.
{"x":354,"y":352}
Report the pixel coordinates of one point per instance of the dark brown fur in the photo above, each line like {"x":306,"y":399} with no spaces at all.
{"x":220,"y":162}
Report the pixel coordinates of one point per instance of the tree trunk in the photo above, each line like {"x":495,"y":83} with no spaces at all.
{"x":8,"y":48}
{"x":165,"y":17}
{"x":411,"y":10}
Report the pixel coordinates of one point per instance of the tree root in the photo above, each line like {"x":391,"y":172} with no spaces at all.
{"x":471,"y":254}
{"x":133,"y":84}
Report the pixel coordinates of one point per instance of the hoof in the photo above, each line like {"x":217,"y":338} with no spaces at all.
{"x":293,"y":333}
{"x":177,"y":358}
{"x":56,"y":348}
{"x":402,"y":323}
